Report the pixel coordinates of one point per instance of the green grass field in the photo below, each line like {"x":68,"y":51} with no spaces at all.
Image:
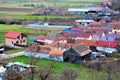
{"x":14,"y":5}
{"x":18,"y":28}
{"x":2,"y":38}
{"x":13,"y":13}
{"x":13,"y":51}
{"x":42,"y":17}
{"x":34,"y":17}
{"x":85,"y":73}
{"x":18,"y":3}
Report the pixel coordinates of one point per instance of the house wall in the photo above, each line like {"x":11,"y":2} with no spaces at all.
{"x":71,"y":56}
{"x":21,"y":40}
{"x":10,"y":42}
{"x":56,"y":58}
{"x":44,"y":55}
{"x":105,"y":49}
{"x":83,"y":23}
{"x":82,"y":38}
{"x":37,"y":54}
{"x":116,"y":31}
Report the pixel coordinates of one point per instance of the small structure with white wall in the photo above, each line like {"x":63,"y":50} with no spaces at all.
{"x":84,"y":23}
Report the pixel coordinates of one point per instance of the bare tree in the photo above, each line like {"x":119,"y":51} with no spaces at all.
{"x":69,"y":74}
{"x":45,"y":72}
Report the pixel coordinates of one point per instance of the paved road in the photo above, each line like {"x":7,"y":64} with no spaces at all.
{"x":4,"y":56}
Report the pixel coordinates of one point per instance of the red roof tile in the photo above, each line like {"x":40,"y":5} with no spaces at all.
{"x":56,"y":52}
{"x":86,"y":42}
{"x":107,"y":44}
{"x":84,"y":35}
{"x":96,"y":23}
{"x":114,"y":23}
{"x":12,"y":35}
{"x":107,"y":3}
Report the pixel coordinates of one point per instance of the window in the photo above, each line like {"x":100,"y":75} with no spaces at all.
{"x":12,"y":42}
{"x":23,"y":40}
{"x":18,"y":37}
{"x":22,"y":37}
{"x":17,"y":42}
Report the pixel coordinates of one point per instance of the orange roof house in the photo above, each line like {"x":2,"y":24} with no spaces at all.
{"x":15,"y":38}
{"x":56,"y":54}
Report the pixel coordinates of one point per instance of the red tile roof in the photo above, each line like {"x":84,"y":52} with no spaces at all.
{"x":12,"y":35}
{"x":84,"y":35}
{"x":44,"y":49}
{"x":96,"y":23}
{"x":56,"y":52}
{"x":114,"y":23}
{"x":107,"y":3}
{"x":86,"y":42}
{"x":107,"y":44}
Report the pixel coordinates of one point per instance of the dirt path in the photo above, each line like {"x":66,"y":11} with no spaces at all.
{"x":4,"y":56}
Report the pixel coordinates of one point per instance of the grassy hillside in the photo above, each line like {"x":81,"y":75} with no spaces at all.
{"x":84,"y":73}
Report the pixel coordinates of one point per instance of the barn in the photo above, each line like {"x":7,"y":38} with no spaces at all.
{"x":77,"y":54}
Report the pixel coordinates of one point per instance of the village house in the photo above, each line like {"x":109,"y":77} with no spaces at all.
{"x":56,"y":54}
{"x":73,"y":11}
{"x":47,"y":52}
{"x":46,"y":39}
{"x":88,"y":10}
{"x":77,"y":54}
{"x":15,"y":39}
{"x":50,"y":37}
{"x":39,"y":51}
{"x":40,"y":39}
{"x":107,"y":3}
{"x":84,"y":23}
{"x":116,"y":30}
{"x":106,"y":46}
{"x":84,"y":36}
{"x":86,"y":42}
{"x":99,"y":45}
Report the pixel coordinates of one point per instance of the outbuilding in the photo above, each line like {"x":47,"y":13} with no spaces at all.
{"x":77,"y":54}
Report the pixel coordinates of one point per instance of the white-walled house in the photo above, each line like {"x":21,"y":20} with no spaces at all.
{"x":15,"y":38}
{"x":84,"y":23}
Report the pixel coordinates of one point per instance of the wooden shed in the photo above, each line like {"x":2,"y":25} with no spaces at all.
{"x":77,"y":54}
